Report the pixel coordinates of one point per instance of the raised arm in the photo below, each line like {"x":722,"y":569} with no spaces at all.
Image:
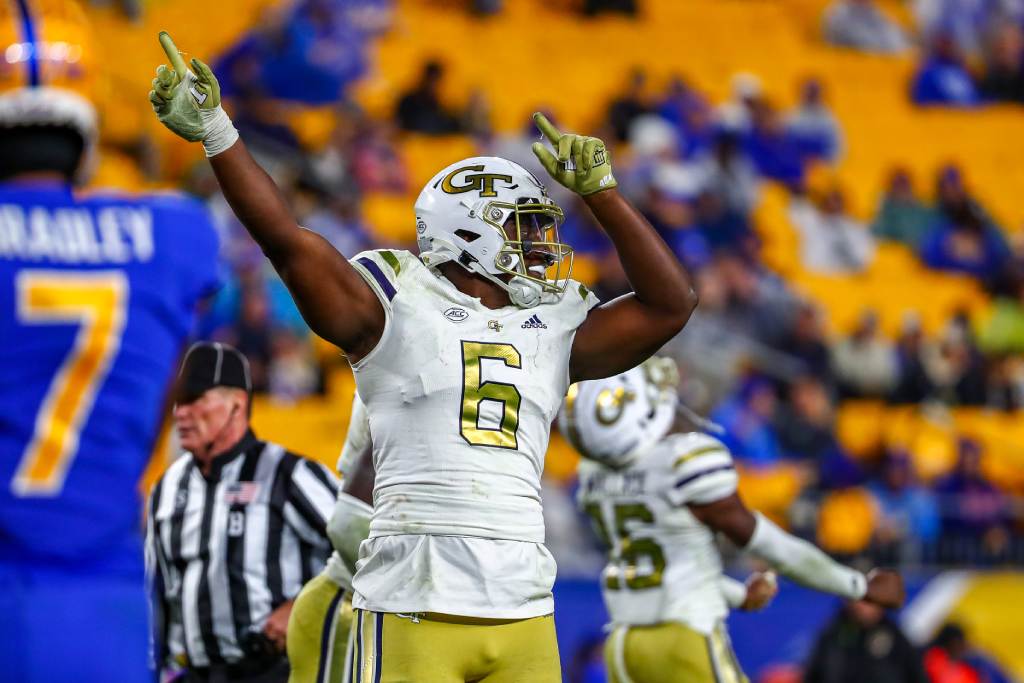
{"x":334,"y":299}
{"x":795,"y":558}
{"x":622,"y":333}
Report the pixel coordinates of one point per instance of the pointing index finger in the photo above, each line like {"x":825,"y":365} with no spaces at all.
{"x":177,"y":63}
{"x":546,"y":127}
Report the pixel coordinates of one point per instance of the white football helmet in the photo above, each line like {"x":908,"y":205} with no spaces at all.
{"x":614,"y":420}
{"x":494,"y":218}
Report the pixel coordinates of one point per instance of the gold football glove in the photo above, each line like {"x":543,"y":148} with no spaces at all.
{"x":580,"y":163}
{"x":187,"y":101}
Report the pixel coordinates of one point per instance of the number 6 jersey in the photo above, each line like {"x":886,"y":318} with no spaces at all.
{"x":460,"y":400}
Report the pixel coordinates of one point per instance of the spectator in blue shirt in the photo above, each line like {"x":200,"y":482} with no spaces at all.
{"x":775,"y":153}
{"x":943,"y":79}
{"x":746,"y":418}
{"x":907,"y":510}
{"x":812,"y":127}
{"x":967,"y":245}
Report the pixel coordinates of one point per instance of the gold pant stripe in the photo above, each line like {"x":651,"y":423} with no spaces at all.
{"x":618,"y":639}
{"x":670,"y":652}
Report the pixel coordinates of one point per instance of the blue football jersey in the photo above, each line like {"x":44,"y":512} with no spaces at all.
{"x":98,"y":296}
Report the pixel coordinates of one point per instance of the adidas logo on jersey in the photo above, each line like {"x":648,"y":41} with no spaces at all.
{"x":534,"y":323}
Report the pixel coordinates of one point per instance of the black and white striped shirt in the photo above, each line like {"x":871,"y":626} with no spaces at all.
{"x":224,"y":550}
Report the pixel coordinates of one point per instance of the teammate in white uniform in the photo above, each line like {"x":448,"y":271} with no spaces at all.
{"x":462,"y":356}
{"x":657,"y":498}
{"x":321,"y":618}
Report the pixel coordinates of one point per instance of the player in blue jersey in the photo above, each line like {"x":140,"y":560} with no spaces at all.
{"x":97,"y":297}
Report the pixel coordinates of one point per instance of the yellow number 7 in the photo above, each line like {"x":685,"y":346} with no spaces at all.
{"x":96,"y":301}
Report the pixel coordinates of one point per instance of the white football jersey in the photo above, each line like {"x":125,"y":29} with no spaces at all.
{"x":460,"y":400}
{"x":663,"y":563}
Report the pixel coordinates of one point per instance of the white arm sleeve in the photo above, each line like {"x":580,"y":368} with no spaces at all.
{"x":803,"y":563}
{"x":348,"y":528}
{"x":734,"y":592}
{"x":357,"y":441}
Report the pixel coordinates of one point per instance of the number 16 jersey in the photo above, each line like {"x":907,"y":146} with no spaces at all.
{"x":460,"y":400}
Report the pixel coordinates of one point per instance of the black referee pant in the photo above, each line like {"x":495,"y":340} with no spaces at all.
{"x":272,"y":671}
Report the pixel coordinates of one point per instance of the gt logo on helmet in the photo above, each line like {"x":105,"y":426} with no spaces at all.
{"x":481,"y":182}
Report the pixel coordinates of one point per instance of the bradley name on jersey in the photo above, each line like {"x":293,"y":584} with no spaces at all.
{"x":111,"y":234}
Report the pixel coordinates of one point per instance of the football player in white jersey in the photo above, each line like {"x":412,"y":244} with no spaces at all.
{"x":321,"y":619}
{"x":658,"y":498}
{"x":462,"y":355}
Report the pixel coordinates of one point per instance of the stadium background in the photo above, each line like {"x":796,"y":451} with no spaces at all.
{"x":861,"y":438}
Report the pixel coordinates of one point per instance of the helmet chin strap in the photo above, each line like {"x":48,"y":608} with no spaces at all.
{"x":521,"y":292}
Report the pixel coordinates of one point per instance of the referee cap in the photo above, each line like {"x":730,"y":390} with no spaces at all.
{"x":212,"y":364}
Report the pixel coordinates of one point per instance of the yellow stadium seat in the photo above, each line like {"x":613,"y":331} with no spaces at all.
{"x":846,"y":521}
{"x":859,"y":427}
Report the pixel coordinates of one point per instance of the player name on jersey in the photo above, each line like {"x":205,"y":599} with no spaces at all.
{"x":628,"y":483}
{"x":113,"y":234}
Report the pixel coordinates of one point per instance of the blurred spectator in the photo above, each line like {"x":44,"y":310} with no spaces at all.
{"x":1003,"y":79}
{"x":759,"y":305}
{"x":746,"y":418}
{"x":673,"y":217}
{"x":950,"y":659}
{"x":956,"y":366}
{"x":292,"y":373}
{"x":966,"y":21}
{"x":420,"y":109}
{"x":831,"y":242}
{"x":774,"y":152}
{"x":337,"y":219}
{"x":722,"y":226}
{"x":805,"y":341}
{"x":813,"y":126}
{"x":902,"y":217}
{"x":805,"y":423}
{"x":908,"y":512}
{"x":967,"y":245}
{"x":376,"y":162}
{"x":727,"y":173}
{"x":862,"y":643}
{"x":737,"y":114}
{"x":943,"y":78}
{"x":974,"y":512}
{"x":913,"y":384}
{"x":689,"y":113}
{"x":865,"y":362}
{"x":861,"y":25}
{"x":629,"y":104}
{"x":954,"y":201}
{"x":655,"y":160}
{"x":251,"y":334}
{"x":305,"y":53}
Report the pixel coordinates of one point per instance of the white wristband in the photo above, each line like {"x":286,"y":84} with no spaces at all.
{"x":804,"y":563}
{"x":734,"y":592}
{"x":219,"y":132}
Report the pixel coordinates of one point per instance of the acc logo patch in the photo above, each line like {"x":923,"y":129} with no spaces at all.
{"x":456,"y":314}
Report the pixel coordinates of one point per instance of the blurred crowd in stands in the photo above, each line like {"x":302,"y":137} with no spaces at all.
{"x":757,"y":357}
{"x":972,"y":50}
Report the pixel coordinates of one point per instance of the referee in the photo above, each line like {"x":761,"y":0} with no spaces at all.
{"x":235,"y":528}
